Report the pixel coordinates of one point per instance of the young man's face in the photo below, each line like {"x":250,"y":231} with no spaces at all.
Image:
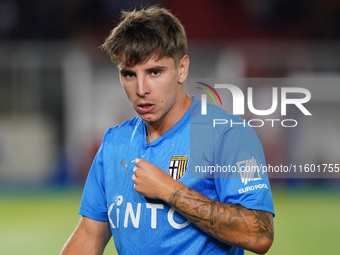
{"x":155,"y":87}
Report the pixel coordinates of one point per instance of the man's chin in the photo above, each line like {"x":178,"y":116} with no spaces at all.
{"x":148,"y":118}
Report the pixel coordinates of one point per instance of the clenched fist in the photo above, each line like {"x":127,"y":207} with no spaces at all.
{"x":151,"y":181}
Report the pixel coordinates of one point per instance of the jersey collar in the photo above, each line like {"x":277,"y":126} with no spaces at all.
{"x":180,"y":124}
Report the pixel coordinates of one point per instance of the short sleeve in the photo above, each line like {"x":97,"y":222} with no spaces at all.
{"x":239,"y":153}
{"x":93,"y":203}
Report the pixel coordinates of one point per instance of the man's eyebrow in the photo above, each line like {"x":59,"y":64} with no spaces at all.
{"x":126,"y":72}
{"x":156,"y":68}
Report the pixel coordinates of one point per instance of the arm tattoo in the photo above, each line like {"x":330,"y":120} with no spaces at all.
{"x":231,"y":222}
{"x":264,"y":224}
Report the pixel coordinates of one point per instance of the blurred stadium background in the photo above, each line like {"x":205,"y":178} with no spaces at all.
{"x":59,"y":93}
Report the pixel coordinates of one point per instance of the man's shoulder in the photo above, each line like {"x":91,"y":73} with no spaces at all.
{"x":215,"y":118}
{"x":218,"y":125}
{"x":124,"y":130}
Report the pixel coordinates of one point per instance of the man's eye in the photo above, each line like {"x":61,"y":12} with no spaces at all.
{"x":129,"y":76}
{"x":155,"y":73}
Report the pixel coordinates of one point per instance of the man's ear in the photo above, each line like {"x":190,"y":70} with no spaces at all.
{"x":183,"y":69}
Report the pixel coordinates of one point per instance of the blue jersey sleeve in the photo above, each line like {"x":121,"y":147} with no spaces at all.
{"x":242,"y":182}
{"x":93,"y":204}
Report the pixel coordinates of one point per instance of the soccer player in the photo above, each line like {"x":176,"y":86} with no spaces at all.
{"x":139,"y":188}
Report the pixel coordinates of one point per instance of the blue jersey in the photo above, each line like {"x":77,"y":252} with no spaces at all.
{"x":193,"y":152}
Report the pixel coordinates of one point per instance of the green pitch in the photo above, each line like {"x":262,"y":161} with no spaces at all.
{"x":40,"y":222}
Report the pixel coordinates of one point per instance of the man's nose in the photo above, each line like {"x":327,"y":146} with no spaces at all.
{"x":142,"y":87}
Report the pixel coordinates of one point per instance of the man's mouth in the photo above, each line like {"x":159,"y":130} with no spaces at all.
{"x":145,"y":108}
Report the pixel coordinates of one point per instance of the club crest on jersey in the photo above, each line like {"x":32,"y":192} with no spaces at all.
{"x":178,"y":166}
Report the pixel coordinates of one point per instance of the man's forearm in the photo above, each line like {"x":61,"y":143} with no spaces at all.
{"x":233,"y":224}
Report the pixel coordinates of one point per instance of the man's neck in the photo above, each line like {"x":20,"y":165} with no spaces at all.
{"x":165,"y":123}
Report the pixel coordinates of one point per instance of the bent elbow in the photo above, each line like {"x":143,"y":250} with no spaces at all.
{"x":263,"y":246}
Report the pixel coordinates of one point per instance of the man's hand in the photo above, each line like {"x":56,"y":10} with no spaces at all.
{"x":231,"y":223}
{"x":151,"y":181}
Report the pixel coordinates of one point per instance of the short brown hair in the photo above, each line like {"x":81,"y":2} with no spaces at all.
{"x":142,"y":34}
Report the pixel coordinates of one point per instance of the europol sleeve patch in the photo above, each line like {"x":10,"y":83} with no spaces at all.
{"x":178,"y":166}
{"x":249,"y":170}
